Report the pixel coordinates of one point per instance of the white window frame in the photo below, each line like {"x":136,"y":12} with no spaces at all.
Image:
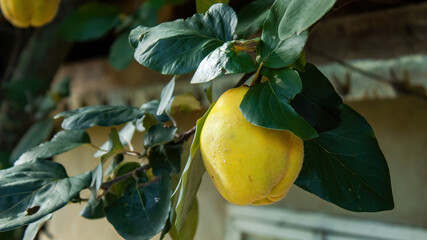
{"x":285,"y":223}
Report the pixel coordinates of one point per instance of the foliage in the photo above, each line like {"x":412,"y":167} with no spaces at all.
{"x":343,"y":162}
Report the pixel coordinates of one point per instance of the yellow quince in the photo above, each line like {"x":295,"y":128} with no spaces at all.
{"x":248,"y":164}
{"x":25,"y":13}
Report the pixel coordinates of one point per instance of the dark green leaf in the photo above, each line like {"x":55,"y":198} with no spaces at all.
{"x":33,"y":228}
{"x":252,"y":16}
{"x":189,"y":228}
{"x":158,"y":135}
{"x":275,"y":52}
{"x":126,"y":135}
{"x":121,"y":52}
{"x":165,"y":158}
{"x":318,"y":102}
{"x":104,"y":116}
{"x":62,"y":142}
{"x":166,"y":96}
{"x":37,"y":134}
{"x":124,"y":167}
{"x":178,"y":47}
{"x":146,"y":14}
{"x":203,"y":5}
{"x":90,"y":21}
{"x":223,"y":60}
{"x":39,"y":184}
{"x":301,"y":14}
{"x":191,"y":176}
{"x":21,"y":89}
{"x":267,"y":105}
{"x":62,"y":88}
{"x":142,"y":212}
{"x":4,"y":160}
{"x":345,"y":166}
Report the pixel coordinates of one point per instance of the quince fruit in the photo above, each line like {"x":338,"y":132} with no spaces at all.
{"x":25,"y":13}
{"x":248,"y":164}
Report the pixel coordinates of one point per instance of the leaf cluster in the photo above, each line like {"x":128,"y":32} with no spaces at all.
{"x":156,"y":191}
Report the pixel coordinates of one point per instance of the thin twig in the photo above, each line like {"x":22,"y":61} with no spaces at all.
{"x":186,"y":135}
{"x":244,"y":78}
{"x":108,"y":184}
{"x":397,"y":85}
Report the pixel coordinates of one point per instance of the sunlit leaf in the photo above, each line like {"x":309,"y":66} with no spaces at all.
{"x":223,"y":60}
{"x":178,"y":47}
{"x":191,"y":177}
{"x":275,"y":52}
{"x":62,"y":142}
{"x":104,"y":116}
{"x":166,"y":96}
{"x":301,"y":14}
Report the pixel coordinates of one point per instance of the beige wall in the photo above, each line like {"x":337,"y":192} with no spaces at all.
{"x":401,"y":128}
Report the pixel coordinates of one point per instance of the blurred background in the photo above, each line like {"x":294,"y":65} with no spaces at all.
{"x":373,"y":51}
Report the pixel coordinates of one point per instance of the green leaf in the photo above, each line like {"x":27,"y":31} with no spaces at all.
{"x":275,"y":52}
{"x":203,"y":5}
{"x":189,"y":228}
{"x":23,"y":88}
{"x":178,"y":47}
{"x":146,"y":14}
{"x":345,"y":166}
{"x":166,"y":96}
{"x":300,"y":63}
{"x":37,"y":134}
{"x":104,"y":116}
{"x":252,"y":16}
{"x":191,"y":176}
{"x":30,"y":191}
{"x":267,"y":105}
{"x":62,"y":142}
{"x":223,"y":60}
{"x":151,"y":107}
{"x":94,"y":209}
{"x":124,"y":167}
{"x":125,"y":136}
{"x":143,"y":211}
{"x":318,"y":102}
{"x":208,"y":91}
{"x":62,"y":88}
{"x":158,"y":135}
{"x":33,"y":228}
{"x":121,"y":53}
{"x":301,"y":14}
{"x":166,"y":158}
{"x":184,"y":103}
{"x":89,"y":22}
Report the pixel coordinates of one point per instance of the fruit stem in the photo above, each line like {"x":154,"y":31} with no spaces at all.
{"x":257,"y":75}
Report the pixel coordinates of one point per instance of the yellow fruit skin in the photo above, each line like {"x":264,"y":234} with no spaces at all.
{"x":248,"y":164}
{"x":25,"y":13}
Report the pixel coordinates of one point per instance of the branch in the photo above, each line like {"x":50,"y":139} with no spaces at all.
{"x":399,"y":85}
{"x":108,"y":184}
{"x":186,"y":135}
{"x":244,"y":78}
